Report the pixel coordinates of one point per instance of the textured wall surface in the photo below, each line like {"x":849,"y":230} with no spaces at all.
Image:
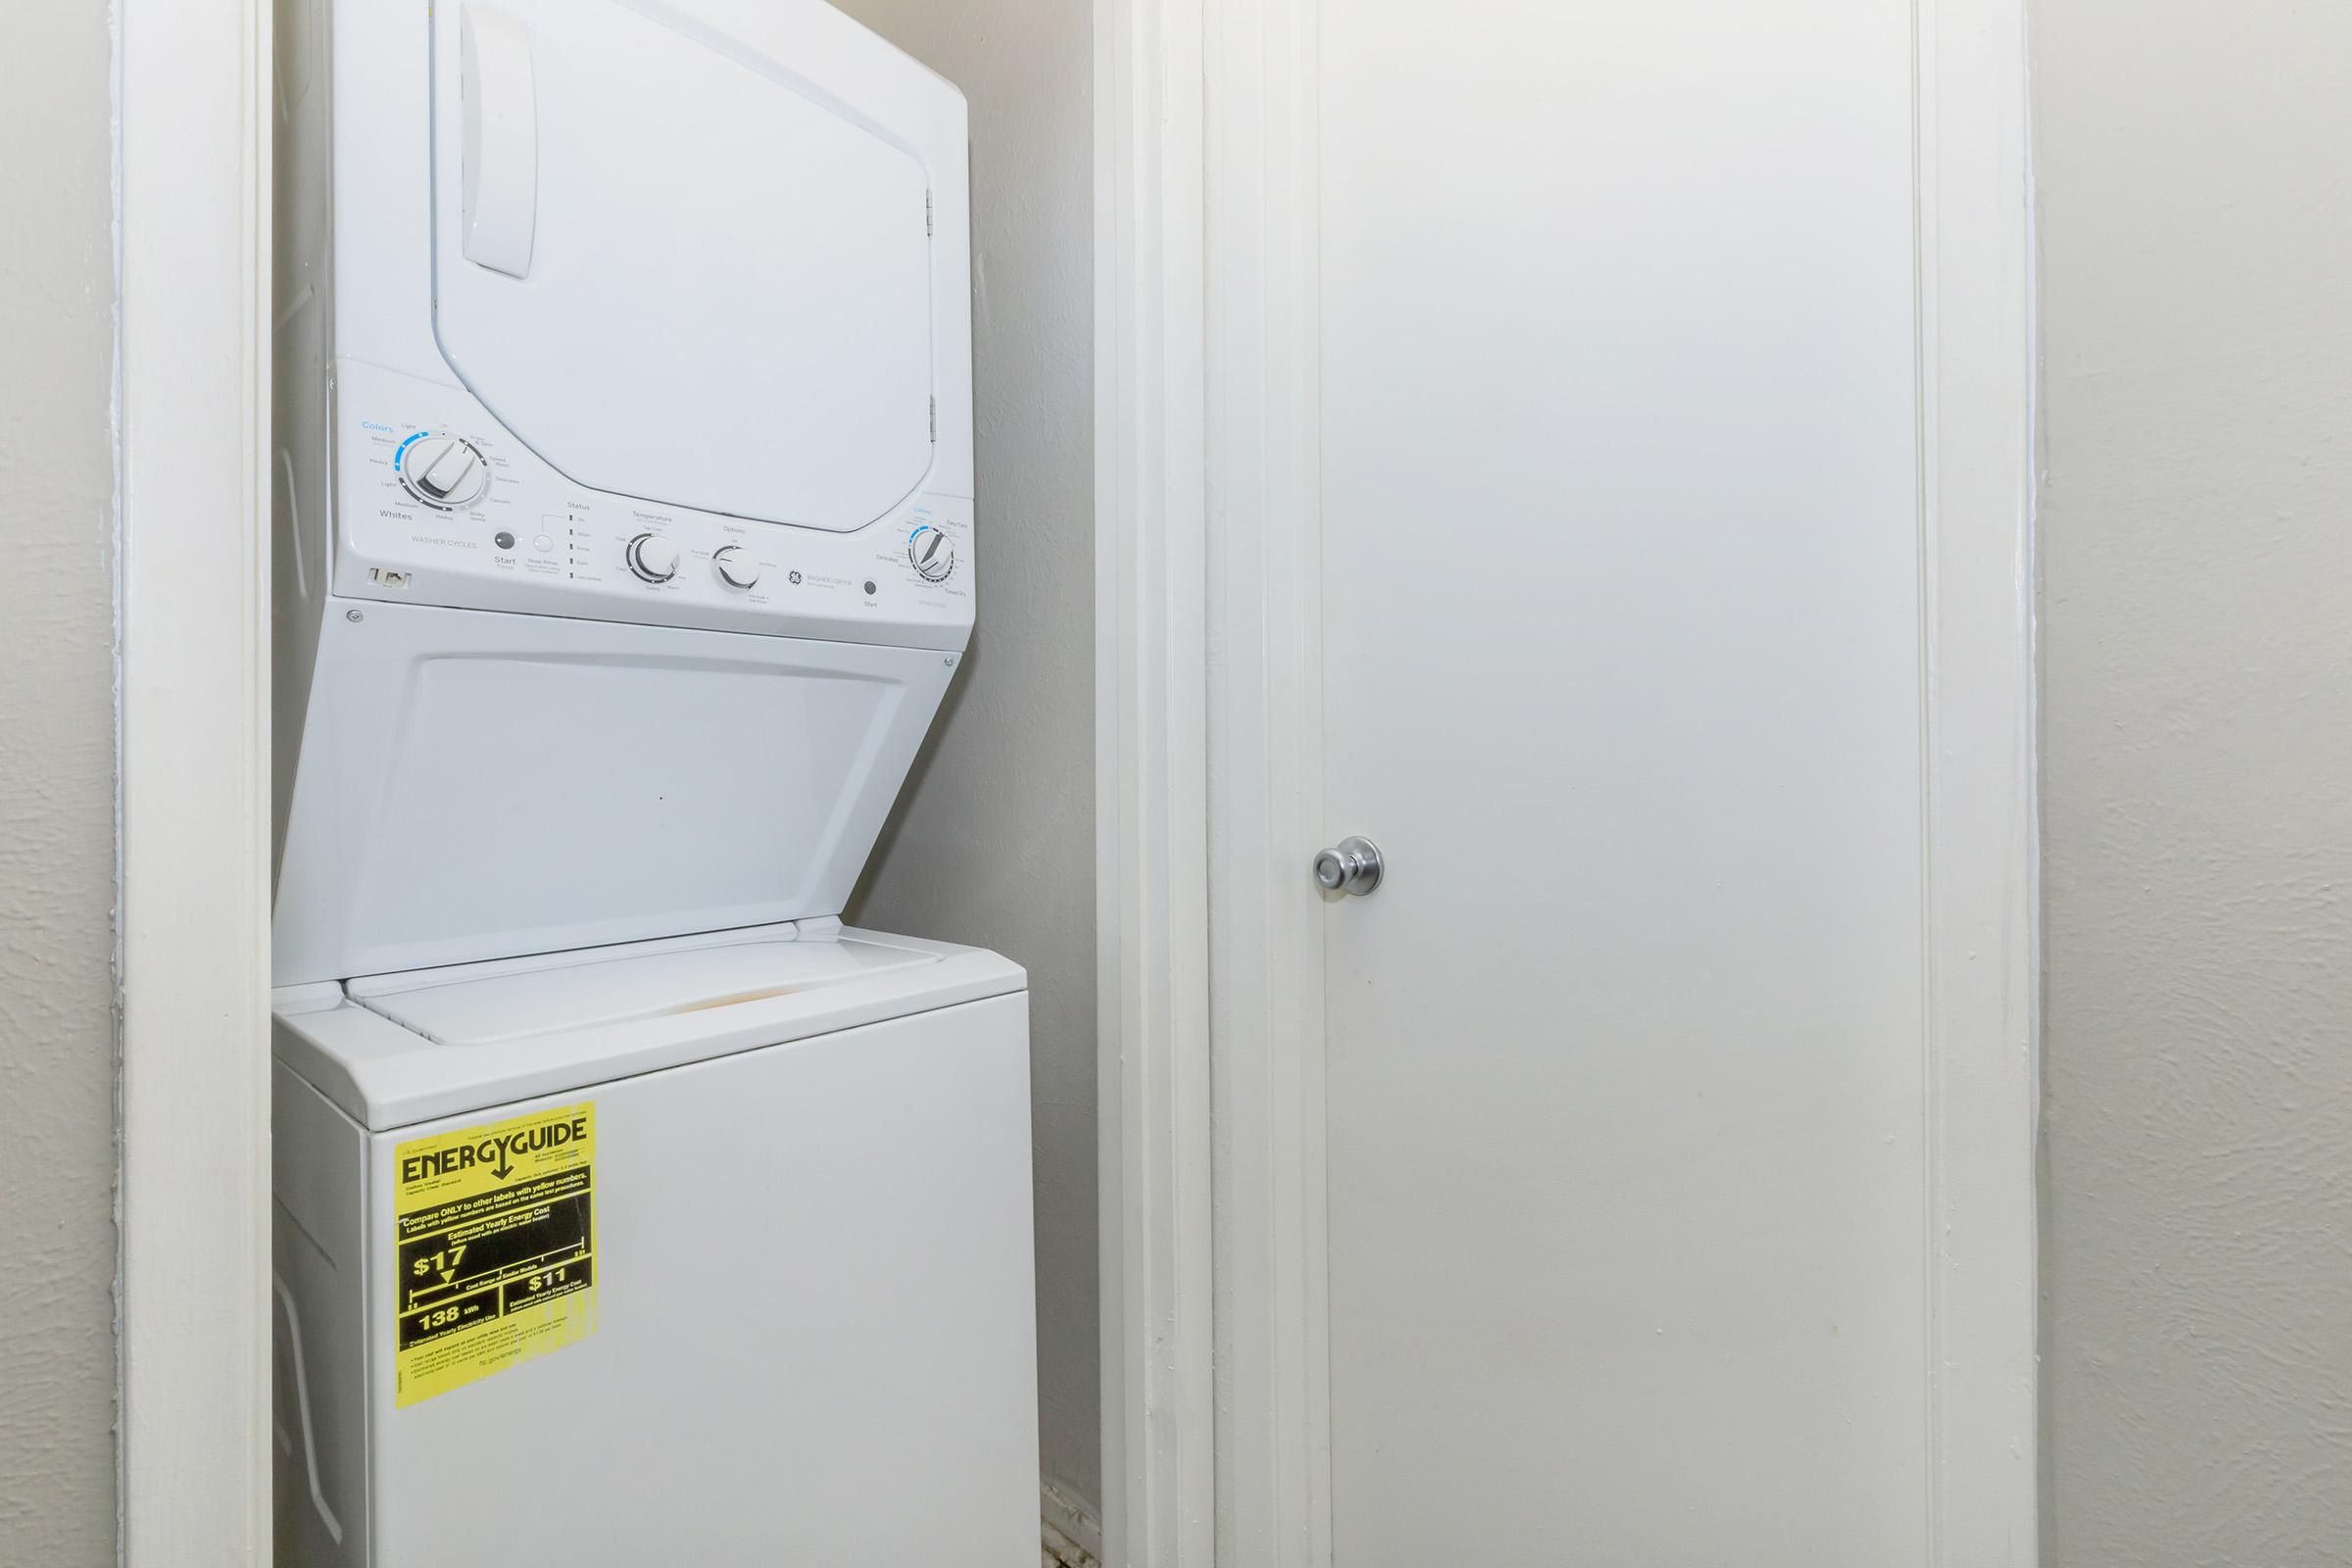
{"x":994,"y":841}
{"x":2196,"y":547}
{"x":56,"y":790}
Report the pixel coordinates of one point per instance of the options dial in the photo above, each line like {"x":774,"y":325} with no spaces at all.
{"x":735,"y":569}
{"x":652,"y":558}
{"x":931,"y":552}
{"x":444,"y":471}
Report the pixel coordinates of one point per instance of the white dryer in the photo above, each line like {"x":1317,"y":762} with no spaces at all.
{"x":629,"y":1209}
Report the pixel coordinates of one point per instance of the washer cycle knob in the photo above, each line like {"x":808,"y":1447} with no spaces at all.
{"x":444,"y":471}
{"x":652,"y":558}
{"x":931,"y":552}
{"x":735,"y":569}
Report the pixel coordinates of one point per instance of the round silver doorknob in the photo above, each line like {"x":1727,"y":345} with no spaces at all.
{"x":1354,"y":866}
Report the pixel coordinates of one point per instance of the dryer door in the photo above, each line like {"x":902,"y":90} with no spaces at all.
{"x":678,"y":269}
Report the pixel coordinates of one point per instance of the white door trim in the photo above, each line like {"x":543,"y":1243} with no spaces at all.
{"x":193,"y":361}
{"x":1209,"y":645}
{"x":1982,"y":850}
{"x":1152,"y":774}
{"x":1266,"y":916}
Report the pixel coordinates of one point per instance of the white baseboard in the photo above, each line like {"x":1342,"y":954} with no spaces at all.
{"x":1073,"y":1534}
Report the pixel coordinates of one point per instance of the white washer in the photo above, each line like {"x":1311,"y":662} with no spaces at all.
{"x":629,"y":1210}
{"x":807,"y":1233}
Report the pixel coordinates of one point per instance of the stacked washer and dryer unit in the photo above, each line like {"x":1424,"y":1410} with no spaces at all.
{"x":630,"y":1210}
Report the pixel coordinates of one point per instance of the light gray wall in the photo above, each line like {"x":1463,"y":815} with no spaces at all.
{"x":57,"y":790}
{"x":994,"y":841}
{"x":2196,"y":550}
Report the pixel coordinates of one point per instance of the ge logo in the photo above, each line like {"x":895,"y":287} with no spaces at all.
{"x":796,"y":576}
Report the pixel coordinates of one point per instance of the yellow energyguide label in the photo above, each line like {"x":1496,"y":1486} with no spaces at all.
{"x":494,"y":1252}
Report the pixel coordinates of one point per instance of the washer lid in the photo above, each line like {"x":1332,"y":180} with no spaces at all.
{"x":480,"y":785}
{"x":685,"y":266}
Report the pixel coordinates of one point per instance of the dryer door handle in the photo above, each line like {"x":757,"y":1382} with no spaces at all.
{"x":501,"y":110}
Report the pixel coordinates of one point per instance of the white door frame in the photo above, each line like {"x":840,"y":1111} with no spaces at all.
{"x":1215,"y":1366}
{"x":1152,"y":841}
{"x":193,"y":436}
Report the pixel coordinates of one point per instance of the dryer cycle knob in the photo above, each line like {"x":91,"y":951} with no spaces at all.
{"x":444,"y":471}
{"x":735,"y":569}
{"x":652,"y":558}
{"x":931,"y":552}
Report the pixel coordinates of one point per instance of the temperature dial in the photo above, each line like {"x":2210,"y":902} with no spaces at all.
{"x":444,"y":471}
{"x":652,"y":558}
{"x":932,"y":553}
{"x":735,"y":569}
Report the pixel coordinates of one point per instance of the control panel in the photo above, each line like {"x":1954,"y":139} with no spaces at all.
{"x":439,"y":505}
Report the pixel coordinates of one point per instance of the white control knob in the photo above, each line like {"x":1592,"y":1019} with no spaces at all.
{"x":444,"y":471}
{"x":652,"y":558}
{"x":735,"y":569}
{"x":931,"y":552}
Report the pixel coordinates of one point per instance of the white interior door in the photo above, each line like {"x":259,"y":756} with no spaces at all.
{"x":1622,"y":669}
{"x":1616,"y":423}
